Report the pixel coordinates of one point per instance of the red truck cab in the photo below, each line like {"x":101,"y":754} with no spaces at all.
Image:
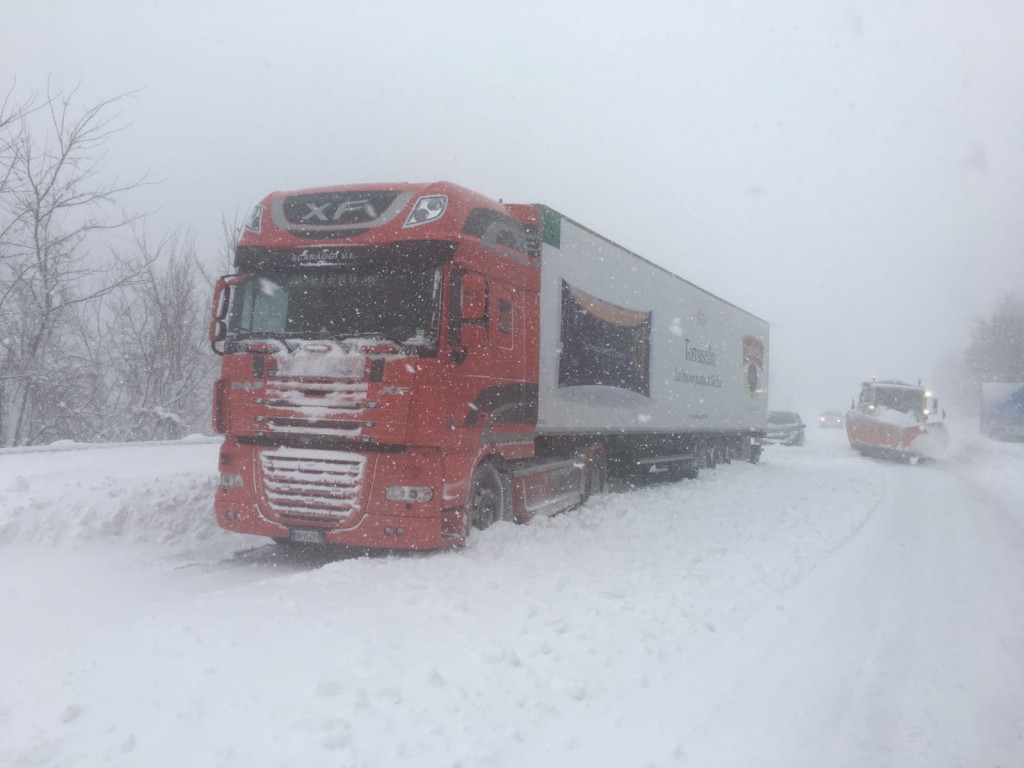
{"x":377,"y":352}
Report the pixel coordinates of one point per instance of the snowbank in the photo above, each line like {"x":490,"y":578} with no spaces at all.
{"x":142,"y":492}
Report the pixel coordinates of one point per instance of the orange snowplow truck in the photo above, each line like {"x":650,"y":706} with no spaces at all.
{"x":403,"y":363}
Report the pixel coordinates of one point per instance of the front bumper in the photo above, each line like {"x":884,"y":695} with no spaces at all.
{"x":336,"y":496}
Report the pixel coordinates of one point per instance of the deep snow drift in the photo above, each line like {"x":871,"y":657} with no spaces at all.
{"x":817,"y":609}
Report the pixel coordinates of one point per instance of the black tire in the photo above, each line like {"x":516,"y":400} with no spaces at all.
{"x":682,"y":470}
{"x":634,"y":475}
{"x":725,"y":453}
{"x":595,"y":476}
{"x":712,"y":457}
{"x":489,"y":497}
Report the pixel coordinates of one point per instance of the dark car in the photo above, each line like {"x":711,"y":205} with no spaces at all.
{"x":785,"y":427}
{"x":832,"y":419}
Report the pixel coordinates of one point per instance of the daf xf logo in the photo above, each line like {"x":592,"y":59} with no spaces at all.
{"x":323,"y":212}
{"x":338,"y":210}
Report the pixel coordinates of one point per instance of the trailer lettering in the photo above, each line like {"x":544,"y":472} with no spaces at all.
{"x":700,"y":379}
{"x":704,"y":356}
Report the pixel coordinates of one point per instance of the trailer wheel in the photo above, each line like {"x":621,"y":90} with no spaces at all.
{"x":595,"y":475}
{"x":705,"y":456}
{"x":489,"y":497}
{"x":634,"y":475}
{"x":682,"y":470}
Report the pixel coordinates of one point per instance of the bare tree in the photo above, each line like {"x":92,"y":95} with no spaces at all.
{"x":11,"y":112}
{"x":996,"y":352}
{"x":53,"y":205}
{"x":225,"y":261}
{"x":160,"y":364}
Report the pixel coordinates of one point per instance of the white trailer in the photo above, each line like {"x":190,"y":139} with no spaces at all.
{"x":1002,"y":410}
{"x":661,"y":371}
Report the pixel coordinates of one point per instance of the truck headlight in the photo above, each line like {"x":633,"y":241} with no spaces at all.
{"x":410,"y":493}
{"x":230,"y":480}
{"x":427,"y":209}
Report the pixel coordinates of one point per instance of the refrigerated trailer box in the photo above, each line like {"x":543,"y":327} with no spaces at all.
{"x":628,"y":347}
{"x":1002,"y":410}
{"x":405,"y":362}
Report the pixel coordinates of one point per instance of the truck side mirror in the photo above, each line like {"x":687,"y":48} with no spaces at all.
{"x":218,"y":329}
{"x":217,"y":332}
{"x":222,"y":291}
{"x":222,"y":300}
{"x":473,"y":301}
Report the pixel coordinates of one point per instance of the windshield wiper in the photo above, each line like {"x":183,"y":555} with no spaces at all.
{"x":282,"y":337}
{"x":347,"y":338}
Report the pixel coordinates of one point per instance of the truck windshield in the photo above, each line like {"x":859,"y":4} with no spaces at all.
{"x":401,"y":304}
{"x":904,"y":399}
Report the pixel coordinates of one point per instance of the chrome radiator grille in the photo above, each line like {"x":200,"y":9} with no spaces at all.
{"x":313,"y":484}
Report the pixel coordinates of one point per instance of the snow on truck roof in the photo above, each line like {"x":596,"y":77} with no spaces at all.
{"x":894,"y":384}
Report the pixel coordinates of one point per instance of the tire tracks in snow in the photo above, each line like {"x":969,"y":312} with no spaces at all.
{"x":900,"y":648}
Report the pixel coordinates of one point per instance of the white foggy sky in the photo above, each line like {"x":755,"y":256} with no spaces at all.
{"x":852,"y":172}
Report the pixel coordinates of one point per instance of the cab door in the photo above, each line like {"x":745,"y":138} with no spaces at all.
{"x":489,"y":390}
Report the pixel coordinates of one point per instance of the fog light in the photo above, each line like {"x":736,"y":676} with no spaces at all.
{"x":230,"y":480}
{"x":410,"y":493}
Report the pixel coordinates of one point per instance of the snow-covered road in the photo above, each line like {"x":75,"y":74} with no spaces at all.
{"x":817,"y":609}
{"x":905,"y":647}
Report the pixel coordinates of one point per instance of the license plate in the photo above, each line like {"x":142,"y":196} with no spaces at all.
{"x":306,"y":535}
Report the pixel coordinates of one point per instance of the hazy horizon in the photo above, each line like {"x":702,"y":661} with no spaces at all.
{"x":849,"y":171}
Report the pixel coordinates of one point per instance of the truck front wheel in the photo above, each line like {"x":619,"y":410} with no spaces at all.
{"x":489,"y":497}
